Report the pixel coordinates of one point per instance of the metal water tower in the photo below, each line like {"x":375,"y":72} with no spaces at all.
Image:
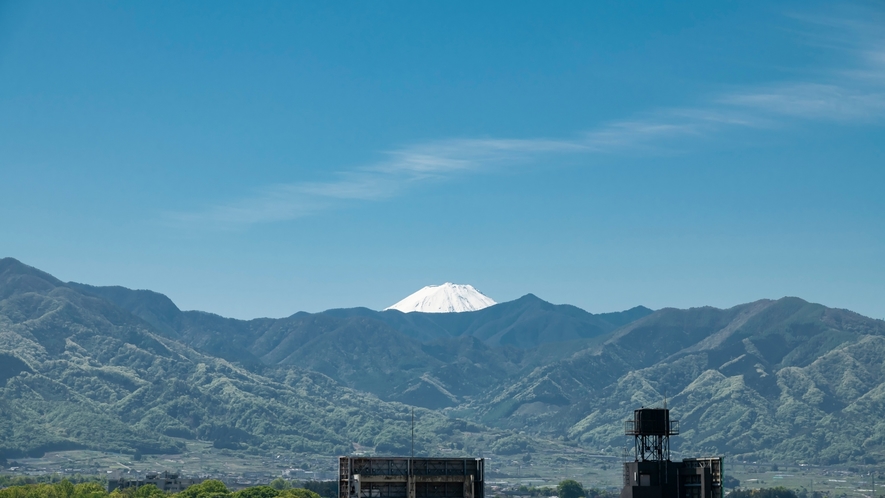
{"x":651,"y":429}
{"x":652,"y":475}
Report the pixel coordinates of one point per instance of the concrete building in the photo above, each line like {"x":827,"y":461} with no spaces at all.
{"x":165,"y":481}
{"x":390,"y":477}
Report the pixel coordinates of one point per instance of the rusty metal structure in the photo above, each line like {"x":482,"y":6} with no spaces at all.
{"x":652,"y":474}
{"x":394,"y":477}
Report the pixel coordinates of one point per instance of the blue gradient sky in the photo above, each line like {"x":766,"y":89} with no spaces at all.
{"x":259,"y":158}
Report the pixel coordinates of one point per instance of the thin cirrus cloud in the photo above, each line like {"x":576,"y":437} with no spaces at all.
{"x":813,"y":101}
{"x":854,"y":94}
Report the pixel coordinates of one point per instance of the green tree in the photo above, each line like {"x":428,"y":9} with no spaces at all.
{"x":257,"y":492}
{"x":65,"y":489}
{"x":298,"y":493}
{"x":206,"y":489}
{"x":89,"y":490}
{"x":600,"y":493}
{"x":147,"y":491}
{"x":512,"y":445}
{"x":14,"y":492}
{"x":280,"y":484}
{"x":326,"y":489}
{"x":570,"y":488}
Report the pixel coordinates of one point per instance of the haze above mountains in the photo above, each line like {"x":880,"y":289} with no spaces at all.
{"x":126,"y":370}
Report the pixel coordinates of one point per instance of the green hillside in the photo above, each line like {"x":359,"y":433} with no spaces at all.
{"x":781,"y":379}
{"x":115,"y":369}
{"x":79,"y":372}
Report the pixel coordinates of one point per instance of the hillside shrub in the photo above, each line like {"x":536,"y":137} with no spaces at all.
{"x":512,"y":445}
{"x":570,"y":488}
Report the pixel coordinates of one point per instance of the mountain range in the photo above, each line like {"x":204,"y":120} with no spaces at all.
{"x":127,"y":370}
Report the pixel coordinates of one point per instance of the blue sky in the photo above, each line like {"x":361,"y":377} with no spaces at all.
{"x":260,"y":158}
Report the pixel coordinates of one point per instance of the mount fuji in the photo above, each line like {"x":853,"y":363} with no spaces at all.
{"x":445,"y":298}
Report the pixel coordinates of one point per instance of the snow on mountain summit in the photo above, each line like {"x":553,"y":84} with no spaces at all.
{"x":445,"y":298}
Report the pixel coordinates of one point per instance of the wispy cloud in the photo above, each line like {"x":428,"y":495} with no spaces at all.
{"x":403,"y":168}
{"x":854,"y":93}
{"x":812,"y":101}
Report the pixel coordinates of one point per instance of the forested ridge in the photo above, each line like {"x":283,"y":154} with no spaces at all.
{"x":113,"y":369}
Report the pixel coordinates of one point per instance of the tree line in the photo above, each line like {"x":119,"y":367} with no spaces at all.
{"x":206,"y":489}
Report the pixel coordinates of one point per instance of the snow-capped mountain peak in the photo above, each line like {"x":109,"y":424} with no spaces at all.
{"x":445,"y":298}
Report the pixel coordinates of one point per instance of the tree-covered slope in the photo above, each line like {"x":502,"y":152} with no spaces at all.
{"x":80,"y":372}
{"x":785,"y":378}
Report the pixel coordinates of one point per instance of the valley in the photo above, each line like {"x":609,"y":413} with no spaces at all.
{"x":505,"y":476}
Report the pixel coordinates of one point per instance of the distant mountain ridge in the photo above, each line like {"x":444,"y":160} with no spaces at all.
{"x":783,"y":379}
{"x":525,"y":322}
{"x":347,"y":344}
